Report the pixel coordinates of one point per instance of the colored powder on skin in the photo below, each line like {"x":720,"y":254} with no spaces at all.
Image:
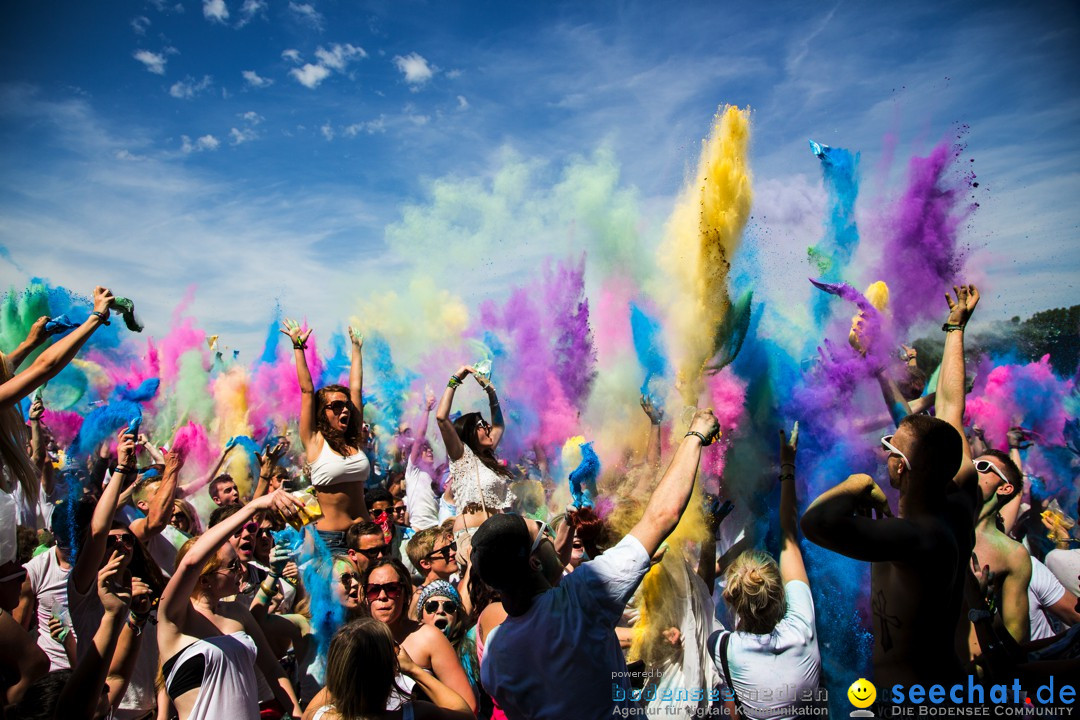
{"x":699,"y":242}
{"x":831,"y":256}
{"x":648,"y":344}
{"x":63,"y":424}
{"x":1027,"y":395}
{"x":575,"y":355}
{"x":920,"y":254}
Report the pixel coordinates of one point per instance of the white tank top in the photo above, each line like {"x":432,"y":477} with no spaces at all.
{"x":333,"y":469}
{"x":228,"y":687}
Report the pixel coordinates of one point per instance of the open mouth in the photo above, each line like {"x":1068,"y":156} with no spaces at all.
{"x":441,"y":623}
{"x":245,"y":546}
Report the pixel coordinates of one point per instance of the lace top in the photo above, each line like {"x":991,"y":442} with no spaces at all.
{"x":473,"y":482}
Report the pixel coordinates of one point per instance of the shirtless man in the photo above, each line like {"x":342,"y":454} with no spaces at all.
{"x":921,"y":558}
{"x":999,"y":481}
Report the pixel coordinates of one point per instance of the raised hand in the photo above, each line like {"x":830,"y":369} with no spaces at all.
{"x":37,"y":334}
{"x":103,"y":298}
{"x":356,"y":337}
{"x":788,"y":448}
{"x":656,"y":414}
{"x":37,"y":409}
{"x":125,"y":449}
{"x":114,"y":590}
{"x":705,"y":422}
{"x":960,"y":308}
{"x":873,"y":500}
{"x":292,"y":329}
{"x":429,"y":399}
{"x":141,"y":597}
{"x":174,"y":461}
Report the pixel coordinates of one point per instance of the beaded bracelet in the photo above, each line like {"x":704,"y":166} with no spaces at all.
{"x":104,"y":318}
{"x":454,"y":382}
{"x":704,"y":441}
{"x":949,"y":327}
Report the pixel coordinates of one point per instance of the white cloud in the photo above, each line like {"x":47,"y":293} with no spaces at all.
{"x":462,"y":103}
{"x":237,"y":136}
{"x":307,"y":13}
{"x":291,"y":54}
{"x":206,"y":142}
{"x":140,"y":24}
{"x":215,"y":10}
{"x":310,"y":75}
{"x":254,"y":80}
{"x":453,"y":74}
{"x":338,"y":56}
{"x":252,"y":117}
{"x":188,"y":87}
{"x":378,"y":125}
{"x":154,"y":62}
{"x":249,"y":10}
{"x":327,"y":131}
{"x":415,"y":69}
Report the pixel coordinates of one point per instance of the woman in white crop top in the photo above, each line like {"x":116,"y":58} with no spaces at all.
{"x":331,"y":429}
{"x":207,"y":645}
{"x":478,"y":481}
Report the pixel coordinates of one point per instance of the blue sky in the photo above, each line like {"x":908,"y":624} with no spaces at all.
{"x":312,"y":153}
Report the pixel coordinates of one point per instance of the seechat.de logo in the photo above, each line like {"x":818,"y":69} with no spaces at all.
{"x":862,"y":694}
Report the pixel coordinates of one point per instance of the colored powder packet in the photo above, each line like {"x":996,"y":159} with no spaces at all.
{"x":60,"y":324}
{"x":126,"y":308}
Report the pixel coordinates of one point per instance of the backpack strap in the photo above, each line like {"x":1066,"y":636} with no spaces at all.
{"x":722,"y":651}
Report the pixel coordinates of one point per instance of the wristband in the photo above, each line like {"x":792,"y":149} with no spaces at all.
{"x":103,"y":316}
{"x":787,"y":476}
{"x":784,"y":465}
{"x":299,"y":346}
{"x":704,"y":441}
{"x":126,"y":469}
{"x":949,"y":327}
{"x":975,"y":615}
{"x":454,"y":382}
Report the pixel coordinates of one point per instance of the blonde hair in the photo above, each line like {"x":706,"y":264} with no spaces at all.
{"x":212,"y":564}
{"x":13,"y":442}
{"x":754,"y":590}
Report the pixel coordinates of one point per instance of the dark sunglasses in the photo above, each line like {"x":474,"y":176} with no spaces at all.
{"x":392,"y":590}
{"x":126,"y":538}
{"x":230,"y":567}
{"x":444,"y":551}
{"x":337,"y":406}
{"x":348,"y":578}
{"x":378,"y":513}
{"x":376,"y":552}
{"x":448,"y":606}
{"x":399,"y":509}
{"x":251,"y":527}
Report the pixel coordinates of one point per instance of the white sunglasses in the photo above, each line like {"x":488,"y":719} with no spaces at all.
{"x":887,"y":443}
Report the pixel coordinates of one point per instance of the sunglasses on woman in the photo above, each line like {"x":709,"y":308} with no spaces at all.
{"x":348,"y":578}
{"x":448,"y":606}
{"x":249,"y":527}
{"x":337,"y":406}
{"x":230,"y":567}
{"x":127,"y":539}
{"x":392,"y":590}
{"x":483,"y":424}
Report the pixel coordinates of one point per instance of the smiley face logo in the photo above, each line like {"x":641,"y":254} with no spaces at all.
{"x":862,"y":693}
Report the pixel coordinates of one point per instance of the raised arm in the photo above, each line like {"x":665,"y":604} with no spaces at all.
{"x":83,"y":690}
{"x":669,"y":499}
{"x":267,"y":462}
{"x":192,"y":488}
{"x":952,"y":379}
{"x":49,"y":363}
{"x":656,"y":420}
{"x":791,"y":559}
{"x":451,"y":441}
{"x":160,"y":506}
{"x":174,"y":601}
{"x":34,"y":338}
{"x":498,"y":425}
{"x":92,"y":551}
{"x":303,"y":375}
{"x":356,"y":371}
{"x":421,"y":428}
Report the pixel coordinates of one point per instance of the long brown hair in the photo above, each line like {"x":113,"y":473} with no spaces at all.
{"x":13,"y":440}
{"x":465,"y":427}
{"x":339,"y":440}
{"x":360,"y":669}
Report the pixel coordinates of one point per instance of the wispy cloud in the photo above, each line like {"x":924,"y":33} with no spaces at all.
{"x":154,"y":62}
{"x":206,"y":142}
{"x":327,"y":131}
{"x":335,"y":58}
{"x":253,"y":79}
{"x":416,"y":70}
{"x":249,"y":10}
{"x":308,"y":14}
{"x":238,"y":135}
{"x":140,"y":24}
{"x":291,"y":54}
{"x":189,"y":87}
{"x":369,"y":127}
{"x":462,"y":103}
{"x":215,"y":10}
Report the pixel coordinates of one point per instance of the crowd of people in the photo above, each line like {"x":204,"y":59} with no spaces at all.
{"x":441,"y":588}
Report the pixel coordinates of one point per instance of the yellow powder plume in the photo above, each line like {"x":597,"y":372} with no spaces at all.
{"x":700,"y":239}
